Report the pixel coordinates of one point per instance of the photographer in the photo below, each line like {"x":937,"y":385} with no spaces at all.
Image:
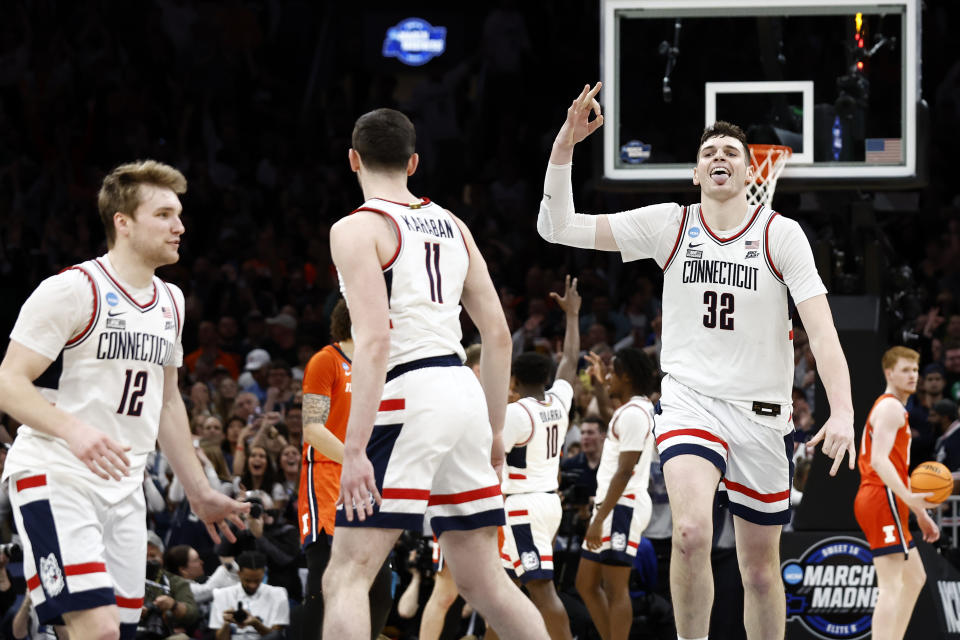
{"x":269,"y":533}
{"x":168,"y":604}
{"x":250,"y":610}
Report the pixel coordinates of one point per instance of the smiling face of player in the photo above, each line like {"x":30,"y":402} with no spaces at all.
{"x":154,"y":230}
{"x":722,"y":169}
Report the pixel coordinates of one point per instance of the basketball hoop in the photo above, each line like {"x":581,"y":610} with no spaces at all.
{"x":768,"y":161}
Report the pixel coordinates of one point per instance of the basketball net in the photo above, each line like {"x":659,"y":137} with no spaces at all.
{"x":768,"y":161}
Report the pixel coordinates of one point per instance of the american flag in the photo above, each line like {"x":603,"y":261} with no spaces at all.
{"x":166,"y":312}
{"x":883,"y":150}
{"x":751,"y":244}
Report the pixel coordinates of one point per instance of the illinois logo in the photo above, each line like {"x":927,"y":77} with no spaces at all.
{"x":51,"y":576}
{"x":832,"y":588}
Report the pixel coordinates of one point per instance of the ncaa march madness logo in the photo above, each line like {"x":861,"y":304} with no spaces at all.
{"x":832,"y":588}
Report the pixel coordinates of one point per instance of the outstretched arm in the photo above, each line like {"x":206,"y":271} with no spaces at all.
{"x":837,"y":431}
{"x":558,"y":221}
{"x":570,"y":303}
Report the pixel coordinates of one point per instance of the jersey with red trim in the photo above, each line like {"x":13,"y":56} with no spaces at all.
{"x":424,"y":280}
{"x":725,"y":305}
{"x":326,"y":374}
{"x":533,"y":434}
{"x":899,"y":453}
{"x":631,"y":429}
{"x":115,"y":342}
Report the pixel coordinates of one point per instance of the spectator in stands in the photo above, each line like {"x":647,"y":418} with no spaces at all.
{"x":944,"y":416}
{"x":254,"y":378}
{"x":208,"y":341}
{"x":231,"y":438}
{"x":226,"y":395}
{"x":250,"y":610}
{"x":951,"y":365}
{"x":256,"y":333}
{"x":247,"y":406}
{"x":579,"y":473}
{"x":200,"y":405}
{"x":602,"y":312}
{"x":293,"y":419}
{"x":228,"y":337}
{"x":282,"y":343}
{"x":280,"y":388}
{"x":923,"y":432}
{"x":184,"y":561}
{"x":169,"y":606}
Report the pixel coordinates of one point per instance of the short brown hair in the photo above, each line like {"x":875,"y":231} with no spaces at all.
{"x":893,"y":354}
{"x":340,"y":323}
{"x":385,"y":139}
{"x":723,"y":128}
{"x":120,"y":191}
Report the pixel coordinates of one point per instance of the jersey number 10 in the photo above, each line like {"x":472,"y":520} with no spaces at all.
{"x":552,"y":437}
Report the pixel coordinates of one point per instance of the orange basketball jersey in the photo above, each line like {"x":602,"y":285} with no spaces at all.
{"x":899,"y":454}
{"x":327,"y":374}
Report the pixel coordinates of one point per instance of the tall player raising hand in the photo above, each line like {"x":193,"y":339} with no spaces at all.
{"x":727,"y":353}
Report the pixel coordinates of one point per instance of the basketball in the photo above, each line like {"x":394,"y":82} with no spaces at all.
{"x":932,"y":477}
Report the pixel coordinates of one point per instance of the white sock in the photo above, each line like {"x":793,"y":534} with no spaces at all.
{"x":679,"y":637}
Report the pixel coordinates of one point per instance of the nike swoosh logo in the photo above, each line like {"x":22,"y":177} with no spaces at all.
{"x":694,"y":246}
{"x":547,"y":196}
{"x":115,"y":313}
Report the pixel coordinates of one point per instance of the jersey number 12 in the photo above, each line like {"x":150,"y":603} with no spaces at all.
{"x":135,"y":404}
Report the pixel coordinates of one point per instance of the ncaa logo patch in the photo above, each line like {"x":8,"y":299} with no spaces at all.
{"x":530,"y":560}
{"x":51,"y":576}
{"x":693,"y":232}
{"x":618,"y":541}
{"x":832,"y":588}
{"x":112,"y":299}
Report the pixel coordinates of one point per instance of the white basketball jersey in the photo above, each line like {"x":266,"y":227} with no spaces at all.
{"x":533,"y":439}
{"x":113,"y":375}
{"x":725,"y":303}
{"x":631,"y":429}
{"x":424,"y":280}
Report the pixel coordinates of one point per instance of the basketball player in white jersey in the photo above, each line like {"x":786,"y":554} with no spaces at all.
{"x":421,"y":441}
{"x":622,"y":505}
{"x":533,"y":434}
{"x":727,"y":355}
{"x":76,"y":468}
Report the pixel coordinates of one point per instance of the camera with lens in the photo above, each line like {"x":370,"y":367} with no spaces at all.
{"x":256,"y":507}
{"x":240,"y":615}
{"x":13,"y":551}
{"x":414,"y":552}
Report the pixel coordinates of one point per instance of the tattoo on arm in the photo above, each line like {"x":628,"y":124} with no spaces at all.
{"x":316,"y":408}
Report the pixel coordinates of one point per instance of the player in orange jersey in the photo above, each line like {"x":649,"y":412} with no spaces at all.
{"x":326,"y":405}
{"x":885,"y":496}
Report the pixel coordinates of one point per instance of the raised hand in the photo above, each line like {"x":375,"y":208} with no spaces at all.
{"x":570,"y":301}
{"x":578,"y":125}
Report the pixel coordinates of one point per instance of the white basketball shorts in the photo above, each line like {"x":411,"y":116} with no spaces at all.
{"x":755,"y":461}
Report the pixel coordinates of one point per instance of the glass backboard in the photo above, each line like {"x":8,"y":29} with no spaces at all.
{"x":837,"y":82}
